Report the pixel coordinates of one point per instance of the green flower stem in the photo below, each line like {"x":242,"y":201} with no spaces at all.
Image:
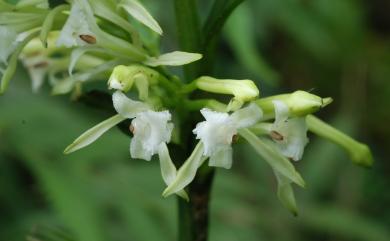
{"x":359,"y":153}
{"x":193,"y":216}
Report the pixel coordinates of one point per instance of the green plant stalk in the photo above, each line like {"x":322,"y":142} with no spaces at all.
{"x":189,"y":34}
{"x":193,"y":215}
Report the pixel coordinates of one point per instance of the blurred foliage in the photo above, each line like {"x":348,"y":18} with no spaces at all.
{"x":332,"y":47}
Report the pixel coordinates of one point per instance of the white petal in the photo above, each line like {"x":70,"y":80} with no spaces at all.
{"x":37,"y":68}
{"x":127,"y":107}
{"x":75,"y":25}
{"x":216,"y":132}
{"x":222,"y":158}
{"x":175,"y":58}
{"x":93,"y":134}
{"x":187,"y":171}
{"x":168,"y":169}
{"x":75,"y":56}
{"x":138,"y":151}
{"x":135,"y":9}
{"x":7,"y":43}
{"x":152,"y":128}
{"x":281,"y":111}
{"x":286,"y":193}
{"x":247,"y":116}
{"x":294,"y":132}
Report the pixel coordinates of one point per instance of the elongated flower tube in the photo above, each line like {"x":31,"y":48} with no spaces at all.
{"x":359,"y":153}
{"x":216,"y":135}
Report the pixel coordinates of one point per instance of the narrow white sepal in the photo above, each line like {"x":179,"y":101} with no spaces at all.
{"x":93,"y":134}
{"x":168,"y":169}
{"x":286,"y":193}
{"x":139,"y":12}
{"x":176,"y":58}
{"x":247,"y":116}
{"x":127,"y":107}
{"x":187,"y":171}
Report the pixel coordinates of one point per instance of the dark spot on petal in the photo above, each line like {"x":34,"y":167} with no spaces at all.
{"x":276,"y":136}
{"x":235,"y":138}
{"x":40,"y":65}
{"x":88,"y":38}
{"x":131,"y":128}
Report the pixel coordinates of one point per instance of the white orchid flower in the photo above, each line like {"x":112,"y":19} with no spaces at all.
{"x":218,"y":130}
{"x":152,"y":131}
{"x":76,"y":31}
{"x":216,"y":135}
{"x":290,"y":134}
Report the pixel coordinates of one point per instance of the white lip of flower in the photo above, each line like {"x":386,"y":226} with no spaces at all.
{"x":289,"y":134}
{"x":37,"y":67}
{"x":218,"y":130}
{"x":150,"y":129}
{"x":76,"y":31}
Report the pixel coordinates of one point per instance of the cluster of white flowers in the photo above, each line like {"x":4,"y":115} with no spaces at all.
{"x":83,"y":47}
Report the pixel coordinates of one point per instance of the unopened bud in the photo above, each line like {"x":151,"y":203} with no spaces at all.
{"x":243,"y":90}
{"x":300,"y":103}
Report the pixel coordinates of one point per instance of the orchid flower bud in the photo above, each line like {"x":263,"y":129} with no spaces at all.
{"x":300,"y":103}
{"x":242,"y":90}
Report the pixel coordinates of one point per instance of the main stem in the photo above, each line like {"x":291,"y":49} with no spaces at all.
{"x":193,"y":215}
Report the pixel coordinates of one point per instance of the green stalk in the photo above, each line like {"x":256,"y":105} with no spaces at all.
{"x":188,"y":29}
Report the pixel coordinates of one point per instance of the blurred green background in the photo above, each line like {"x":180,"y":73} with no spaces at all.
{"x":337,"y":48}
